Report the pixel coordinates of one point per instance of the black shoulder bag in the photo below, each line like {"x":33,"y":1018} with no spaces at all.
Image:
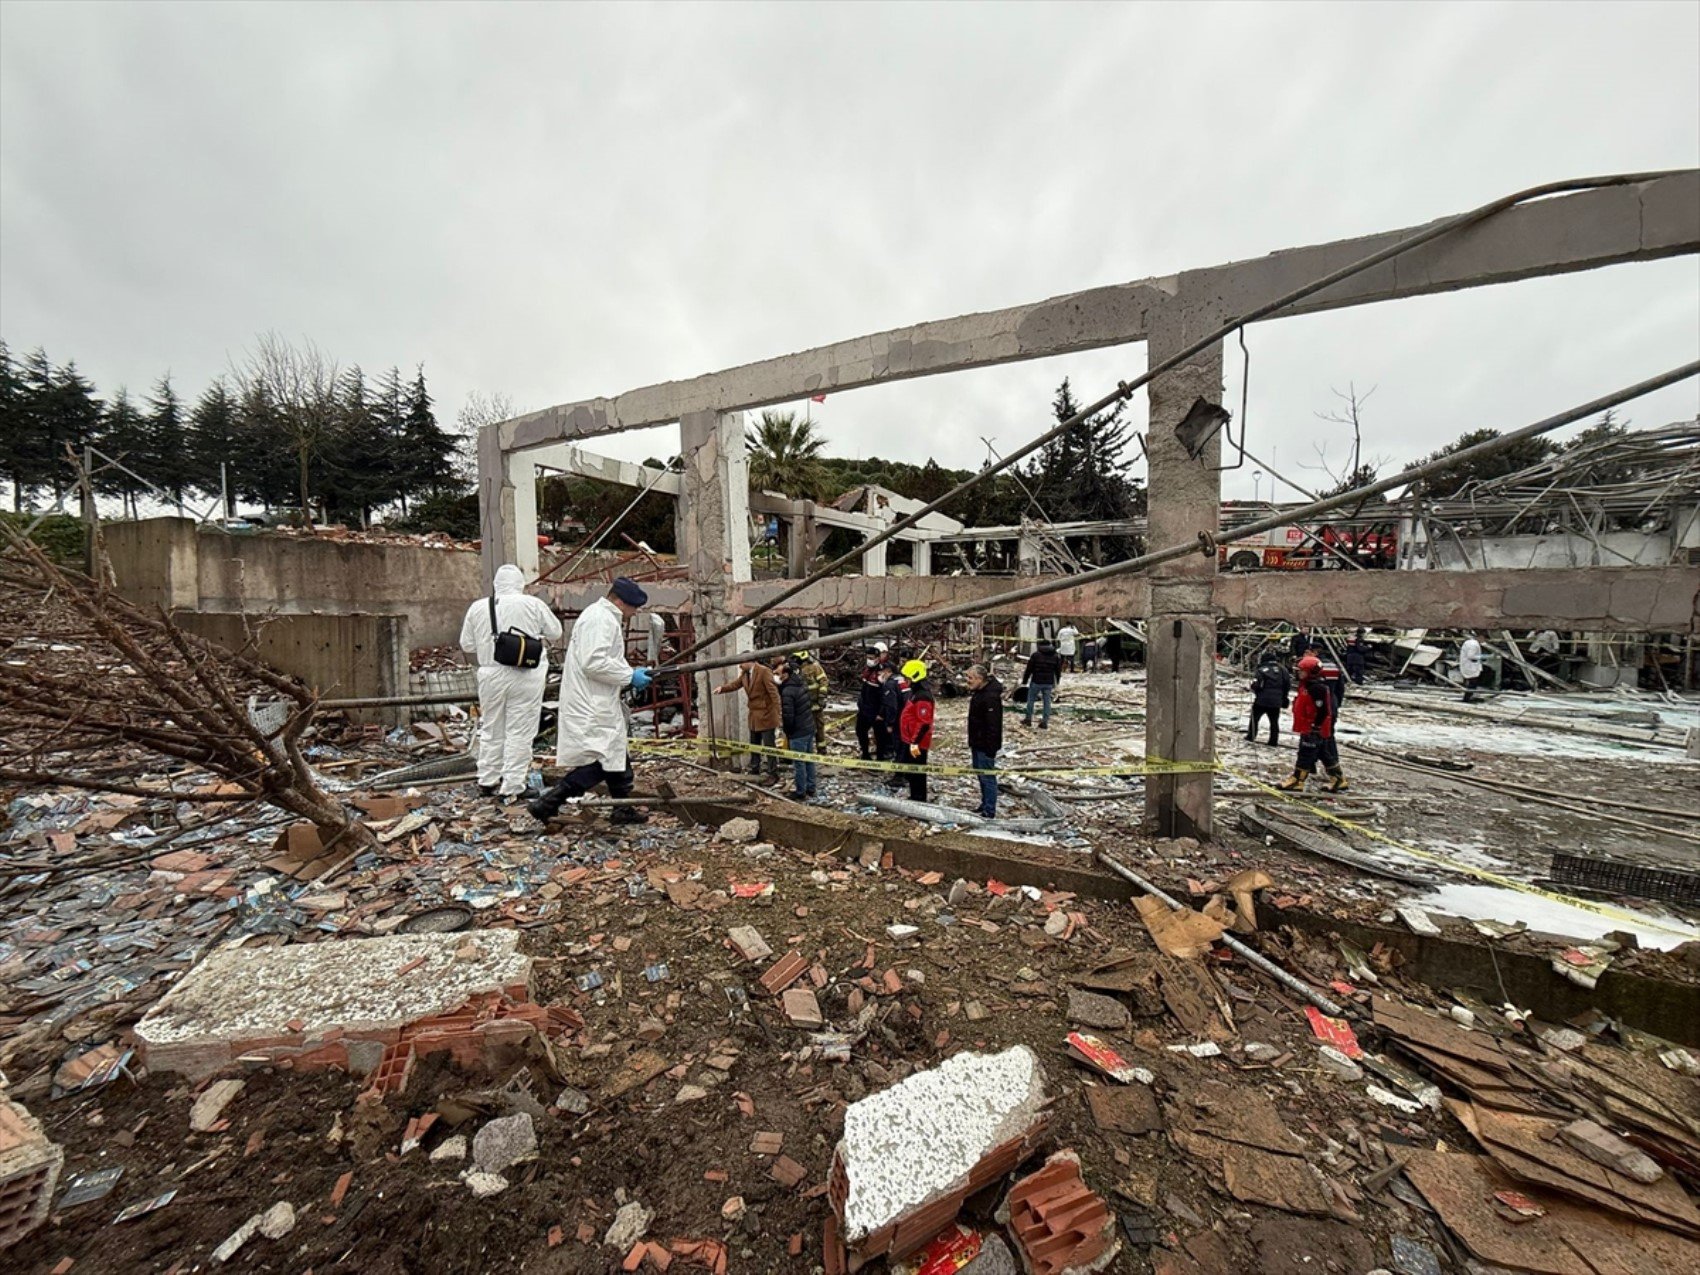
{"x":513,"y":648}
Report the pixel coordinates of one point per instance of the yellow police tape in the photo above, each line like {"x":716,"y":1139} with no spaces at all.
{"x":1458,"y":865}
{"x":1150,"y":766}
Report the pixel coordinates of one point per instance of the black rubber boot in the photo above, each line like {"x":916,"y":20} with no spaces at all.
{"x":627,"y":815}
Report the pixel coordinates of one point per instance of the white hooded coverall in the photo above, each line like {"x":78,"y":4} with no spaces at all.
{"x":592,"y":725}
{"x":509,"y":699}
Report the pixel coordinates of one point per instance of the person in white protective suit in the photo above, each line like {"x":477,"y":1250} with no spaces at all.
{"x":591,"y":730}
{"x":510,"y":700}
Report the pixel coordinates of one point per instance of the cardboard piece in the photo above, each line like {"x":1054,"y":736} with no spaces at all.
{"x":1182,"y":933}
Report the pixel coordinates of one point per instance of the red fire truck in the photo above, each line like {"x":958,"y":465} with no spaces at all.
{"x":1368,"y":544}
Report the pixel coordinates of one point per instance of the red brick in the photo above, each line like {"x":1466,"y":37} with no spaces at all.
{"x":783,"y":972}
{"x":1056,"y":1219}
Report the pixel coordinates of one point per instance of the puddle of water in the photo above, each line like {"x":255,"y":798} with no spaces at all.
{"x":1495,"y":903}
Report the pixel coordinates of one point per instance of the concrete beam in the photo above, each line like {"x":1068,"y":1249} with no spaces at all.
{"x":1603,"y":599}
{"x":907,"y":595}
{"x":1608,"y":599}
{"x":1551,"y":236}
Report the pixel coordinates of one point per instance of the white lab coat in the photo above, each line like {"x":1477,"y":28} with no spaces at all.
{"x":1470,"y":658}
{"x":592,"y":725}
{"x":509,"y":699}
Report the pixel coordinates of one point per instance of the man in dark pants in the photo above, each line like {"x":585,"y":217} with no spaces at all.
{"x":985,"y":733}
{"x":915,"y":728}
{"x":761,"y":695}
{"x":1357,"y":657}
{"x":1270,"y":687}
{"x":1313,"y":722}
{"x":1113,"y":650}
{"x":868,"y":705}
{"x":894,"y":694}
{"x":1043,"y":673}
{"x":797,"y":720}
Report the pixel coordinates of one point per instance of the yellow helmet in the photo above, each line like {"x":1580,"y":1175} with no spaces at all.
{"x":914,"y":670}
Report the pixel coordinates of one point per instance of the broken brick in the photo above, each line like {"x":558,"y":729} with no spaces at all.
{"x":787,"y":1172}
{"x":802,"y":1008}
{"x":1058,"y":1222}
{"x":782,"y":973}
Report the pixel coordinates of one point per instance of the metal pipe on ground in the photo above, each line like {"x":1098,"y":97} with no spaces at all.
{"x":1254,"y":958}
{"x":930,"y":812}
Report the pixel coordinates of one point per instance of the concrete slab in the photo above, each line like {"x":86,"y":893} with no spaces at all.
{"x":313,"y":996}
{"x":911,"y":1153}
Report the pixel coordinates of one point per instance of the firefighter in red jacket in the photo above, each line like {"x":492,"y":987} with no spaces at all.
{"x":1313,"y":723}
{"x":915,"y":727}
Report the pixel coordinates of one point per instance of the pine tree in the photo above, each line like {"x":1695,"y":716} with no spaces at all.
{"x":75,"y":419}
{"x":359,"y":460}
{"x":125,"y":442}
{"x":167,"y":463}
{"x":1083,"y":475}
{"x":262,"y":460}
{"x":17,"y":421}
{"x":212,"y":443}
{"x":431,"y":457}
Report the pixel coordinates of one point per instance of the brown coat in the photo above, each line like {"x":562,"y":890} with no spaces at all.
{"x":761,"y":692}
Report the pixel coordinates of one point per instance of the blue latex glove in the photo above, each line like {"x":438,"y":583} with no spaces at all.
{"x":641,"y":678}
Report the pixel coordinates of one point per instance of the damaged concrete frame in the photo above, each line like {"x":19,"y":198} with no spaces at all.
{"x":1182,"y":600}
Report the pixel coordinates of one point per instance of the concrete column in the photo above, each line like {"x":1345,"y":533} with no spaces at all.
{"x":873,"y":560}
{"x":712,"y":523}
{"x":522,"y":482}
{"x":495,"y":504}
{"x":1027,"y":556}
{"x":800,"y":548}
{"x":1185,"y":499}
{"x":923,"y":557}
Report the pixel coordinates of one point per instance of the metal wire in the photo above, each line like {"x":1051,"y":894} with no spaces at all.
{"x":1125,"y":389}
{"x":1256,"y":527}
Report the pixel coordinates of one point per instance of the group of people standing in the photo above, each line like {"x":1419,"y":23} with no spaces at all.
{"x":894,"y":715}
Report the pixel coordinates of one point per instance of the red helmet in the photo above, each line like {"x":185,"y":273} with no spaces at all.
{"x":1309,"y":666}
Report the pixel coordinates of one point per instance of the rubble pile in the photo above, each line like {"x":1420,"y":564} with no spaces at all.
{"x":692,"y":1046}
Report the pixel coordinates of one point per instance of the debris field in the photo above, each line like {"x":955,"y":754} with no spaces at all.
{"x":695,"y":1045}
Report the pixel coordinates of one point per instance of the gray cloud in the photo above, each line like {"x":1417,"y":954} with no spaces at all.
{"x":563,"y":201}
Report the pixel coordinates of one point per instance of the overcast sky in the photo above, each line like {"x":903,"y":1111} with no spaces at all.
{"x":561,"y":201}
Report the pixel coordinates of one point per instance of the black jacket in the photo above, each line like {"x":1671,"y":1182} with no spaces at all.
{"x":796,"y":712}
{"x":1271,"y":685}
{"x":891,"y":703}
{"x":985,"y":718}
{"x":1298,"y":644}
{"x":1044,"y":668}
{"x":868,"y":697}
{"x":1356,"y":657}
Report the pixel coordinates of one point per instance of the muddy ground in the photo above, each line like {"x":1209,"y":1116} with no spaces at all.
{"x":983,"y":974}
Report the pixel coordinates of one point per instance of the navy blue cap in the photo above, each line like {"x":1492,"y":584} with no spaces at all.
{"x":629,"y":592}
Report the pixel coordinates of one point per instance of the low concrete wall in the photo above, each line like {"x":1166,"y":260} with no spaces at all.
{"x":172,"y":563}
{"x":340,"y":656}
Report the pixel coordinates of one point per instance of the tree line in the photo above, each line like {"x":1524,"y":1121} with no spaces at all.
{"x":287,"y":429}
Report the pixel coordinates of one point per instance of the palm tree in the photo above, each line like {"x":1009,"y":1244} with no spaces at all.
{"x":785,"y":455}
